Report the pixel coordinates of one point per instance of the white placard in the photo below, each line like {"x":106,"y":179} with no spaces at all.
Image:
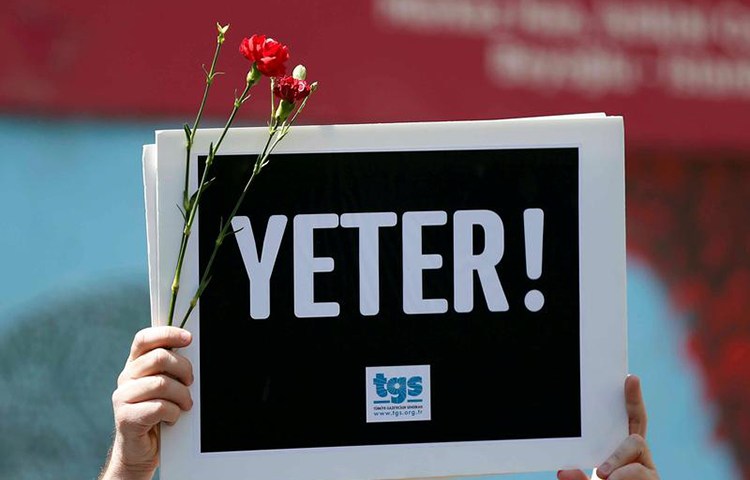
{"x":602,"y":301}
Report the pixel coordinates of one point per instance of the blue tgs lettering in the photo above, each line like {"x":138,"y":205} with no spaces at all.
{"x":399,"y":388}
{"x":415,"y":386}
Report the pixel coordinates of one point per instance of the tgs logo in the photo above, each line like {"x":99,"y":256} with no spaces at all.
{"x":399,"y":389}
{"x":398,"y":393}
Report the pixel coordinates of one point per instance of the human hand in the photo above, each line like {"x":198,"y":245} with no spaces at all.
{"x":632,"y":459}
{"x":152,"y":388}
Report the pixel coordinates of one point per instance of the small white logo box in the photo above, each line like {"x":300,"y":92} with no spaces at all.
{"x":397,"y":393}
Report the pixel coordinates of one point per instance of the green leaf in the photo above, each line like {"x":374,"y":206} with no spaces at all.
{"x":208,"y":184}
{"x":182,"y":212}
{"x":188,"y":132}
{"x":191,"y":202}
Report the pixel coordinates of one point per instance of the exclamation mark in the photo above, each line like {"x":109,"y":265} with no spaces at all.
{"x":533,"y":226}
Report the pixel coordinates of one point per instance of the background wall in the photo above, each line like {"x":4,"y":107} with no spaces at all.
{"x":84,"y":86}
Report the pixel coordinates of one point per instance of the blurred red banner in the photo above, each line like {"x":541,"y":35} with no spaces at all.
{"x":679,"y":72}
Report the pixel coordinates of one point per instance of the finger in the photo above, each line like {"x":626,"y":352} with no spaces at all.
{"x":571,"y":475}
{"x":632,"y":450}
{"x":158,"y":337}
{"x":140,"y":417}
{"x":635,"y":406}
{"x":153,"y":388}
{"x":159,"y":361}
{"x":634,"y":471}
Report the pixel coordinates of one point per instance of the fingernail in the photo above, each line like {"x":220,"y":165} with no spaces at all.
{"x":185,"y":335}
{"x":604,"y":468}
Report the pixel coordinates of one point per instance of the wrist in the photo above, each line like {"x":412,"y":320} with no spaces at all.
{"x":119,"y":467}
{"x":117,"y":470}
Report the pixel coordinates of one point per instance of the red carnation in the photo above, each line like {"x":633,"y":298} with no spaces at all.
{"x":291,"y":89}
{"x":267,"y":54}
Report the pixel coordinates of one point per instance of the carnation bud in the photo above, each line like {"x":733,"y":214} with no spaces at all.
{"x":253,"y":76}
{"x":283,"y":111}
{"x":222,"y":31}
{"x":299,"y":72}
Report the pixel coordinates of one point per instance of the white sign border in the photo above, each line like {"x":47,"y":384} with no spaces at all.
{"x":602,"y":299}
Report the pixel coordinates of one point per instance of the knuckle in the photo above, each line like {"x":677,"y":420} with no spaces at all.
{"x":141,"y":337}
{"x":184,"y":399}
{"x":159,"y":382}
{"x":143,"y":414}
{"x":159,"y":408}
{"x":616,"y":457}
{"x":122,"y":418}
{"x":188,"y":368}
{"x":637,"y":441}
{"x":138,"y":341}
{"x":120,"y":422}
{"x":170,"y":413}
{"x":161,"y":357}
{"x":116,"y":398}
{"x":164,"y":412}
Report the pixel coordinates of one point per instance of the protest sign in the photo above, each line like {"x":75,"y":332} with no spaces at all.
{"x":401,"y":300}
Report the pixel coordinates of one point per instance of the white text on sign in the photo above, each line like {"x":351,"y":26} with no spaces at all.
{"x":259,"y":266}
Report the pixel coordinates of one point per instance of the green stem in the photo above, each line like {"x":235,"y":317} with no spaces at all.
{"x":194,"y":207}
{"x":186,"y":203}
{"x":273,"y":103}
{"x":209,"y":81}
{"x":276,"y":134}
{"x":259,"y":163}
